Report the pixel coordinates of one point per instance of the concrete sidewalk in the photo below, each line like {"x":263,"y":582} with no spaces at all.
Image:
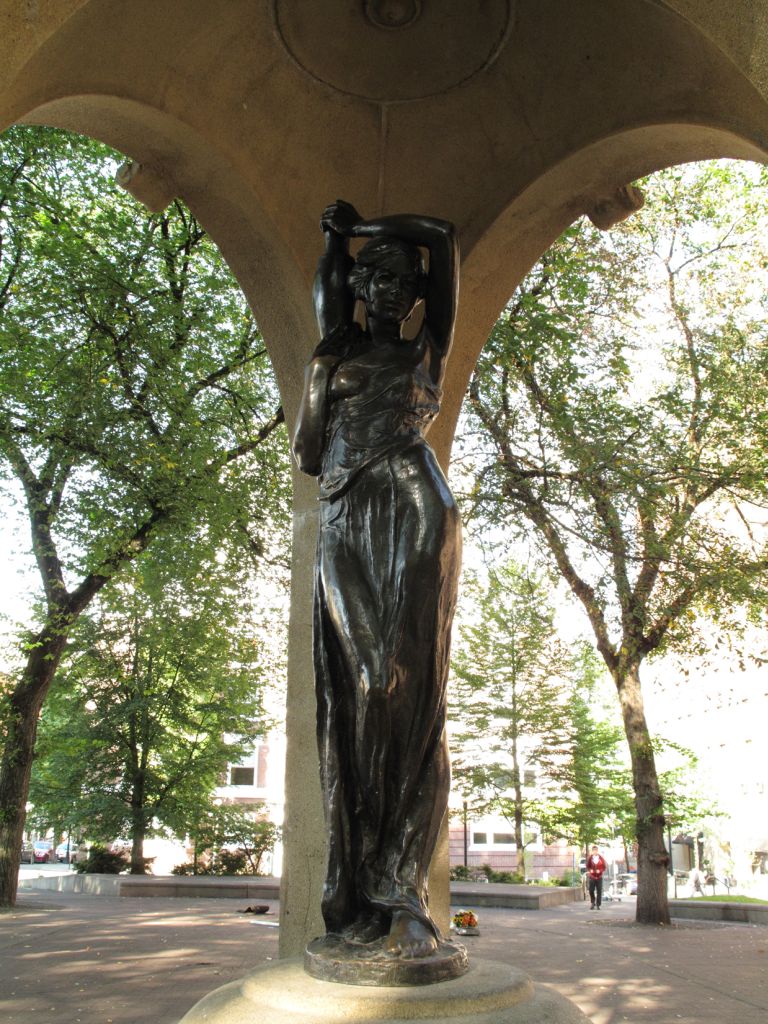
{"x":84,"y":959}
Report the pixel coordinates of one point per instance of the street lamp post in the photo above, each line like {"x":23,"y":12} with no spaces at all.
{"x":671,"y":858}
{"x":466,"y":832}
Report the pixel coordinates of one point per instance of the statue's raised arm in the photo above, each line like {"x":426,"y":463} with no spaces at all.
{"x":334,"y":299}
{"x":389,"y":277}
{"x":438,"y":286}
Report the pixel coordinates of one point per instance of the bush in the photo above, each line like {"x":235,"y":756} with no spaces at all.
{"x":508,"y":877}
{"x":570,"y":878}
{"x":224,"y":862}
{"x":231,"y":862}
{"x":101,"y":861}
{"x":233,"y":841}
{"x":460,"y":873}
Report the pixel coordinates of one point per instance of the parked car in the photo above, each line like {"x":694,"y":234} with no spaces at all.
{"x":628,"y":880}
{"x":42,"y":851}
{"x":69,"y":852}
{"x":27,"y":853}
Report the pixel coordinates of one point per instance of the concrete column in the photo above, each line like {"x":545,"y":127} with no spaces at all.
{"x":304,"y":828}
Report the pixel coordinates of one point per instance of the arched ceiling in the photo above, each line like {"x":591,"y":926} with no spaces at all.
{"x":255,"y":250}
{"x":738,"y":27}
{"x":508,"y":117}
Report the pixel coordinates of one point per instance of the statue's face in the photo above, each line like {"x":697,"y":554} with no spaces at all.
{"x":392,"y":291}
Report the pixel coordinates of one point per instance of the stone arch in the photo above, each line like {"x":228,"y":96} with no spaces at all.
{"x":502,"y":255}
{"x":176,"y":162}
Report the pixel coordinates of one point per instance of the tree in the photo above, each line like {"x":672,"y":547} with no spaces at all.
{"x":135,"y":394}
{"x":589,"y":779}
{"x":234,"y":838}
{"x":161,"y":691}
{"x":620,"y":410}
{"x":507,"y":697}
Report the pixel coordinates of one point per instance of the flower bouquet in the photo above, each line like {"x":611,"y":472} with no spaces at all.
{"x":464,"y":922}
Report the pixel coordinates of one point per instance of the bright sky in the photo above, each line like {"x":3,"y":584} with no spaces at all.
{"x":19,"y":577}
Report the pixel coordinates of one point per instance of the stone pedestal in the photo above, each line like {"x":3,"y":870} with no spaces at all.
{"x":282,"y":993}
{"x":333,"y":958}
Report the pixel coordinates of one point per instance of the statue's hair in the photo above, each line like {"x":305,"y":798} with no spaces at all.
{"x":383,"y":252}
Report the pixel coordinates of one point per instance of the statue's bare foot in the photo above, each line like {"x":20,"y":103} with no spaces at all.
{"x":409,"y":938}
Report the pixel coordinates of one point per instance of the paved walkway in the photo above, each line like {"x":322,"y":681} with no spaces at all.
{"x":81,"y":959}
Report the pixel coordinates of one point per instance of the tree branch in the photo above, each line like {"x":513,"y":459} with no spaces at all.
{"x":248,"y":446}
{"x":517,"y":487}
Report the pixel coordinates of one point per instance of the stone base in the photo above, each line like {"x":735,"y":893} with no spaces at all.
{"x":282,"y":993}
{"x":332,"y":958}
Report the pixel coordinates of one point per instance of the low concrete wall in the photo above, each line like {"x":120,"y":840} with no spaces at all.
{"x":516,"y":897}
{"x":712,"y":910}
{"x":95,"y":885}
{"x":201,"y":887}
{"x":157,"y":885}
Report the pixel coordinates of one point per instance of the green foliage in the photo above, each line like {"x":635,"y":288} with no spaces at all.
{"x":161,"y":691}
{"x":230,"y":840}
{"x":570,"y":878}
{"x":619,"y":415}
{"x":133,"y":380}
{"x":459,"y":873}
{"x":507,"y":877}
{"x":731,"y":899}
{"x":137,"y":408}
{"x":621,"y":403}
{"x":590,"y":794}
{"x":686,"y":804}
{"x":101,"y":861}
{"x":506,"y":680}
{"x":504,"y":694}
{"x":523,"y":702}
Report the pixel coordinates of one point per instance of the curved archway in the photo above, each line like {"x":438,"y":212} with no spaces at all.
{"x":184,"y":165}
{"x":530,"y":223}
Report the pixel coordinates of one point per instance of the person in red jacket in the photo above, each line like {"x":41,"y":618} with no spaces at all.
{"x":595,"y":869}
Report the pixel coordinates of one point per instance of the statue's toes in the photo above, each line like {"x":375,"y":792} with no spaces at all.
{"x":417,"y":950}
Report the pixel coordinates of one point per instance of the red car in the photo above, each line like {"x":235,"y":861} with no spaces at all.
{"x":42,"y":851}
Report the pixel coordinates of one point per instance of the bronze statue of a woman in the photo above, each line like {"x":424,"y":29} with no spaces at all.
{"x":387,"y":565}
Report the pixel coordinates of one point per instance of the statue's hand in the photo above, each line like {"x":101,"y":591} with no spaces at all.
{"x":340,"y":217}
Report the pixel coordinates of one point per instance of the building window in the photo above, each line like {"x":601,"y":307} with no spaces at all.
{"x":241,"y":777}
{"x":480,"y":838}
{"x":503,"y":838}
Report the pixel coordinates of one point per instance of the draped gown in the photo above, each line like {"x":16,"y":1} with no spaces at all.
{"x":386,"y":572}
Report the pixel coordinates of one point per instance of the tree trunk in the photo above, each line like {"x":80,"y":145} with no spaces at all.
{"x":138,"y":867}
{"x":138,"y":825}
{"x":652,"y":856}
{"x":18,"y":751}
{"x":519,"y":835}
